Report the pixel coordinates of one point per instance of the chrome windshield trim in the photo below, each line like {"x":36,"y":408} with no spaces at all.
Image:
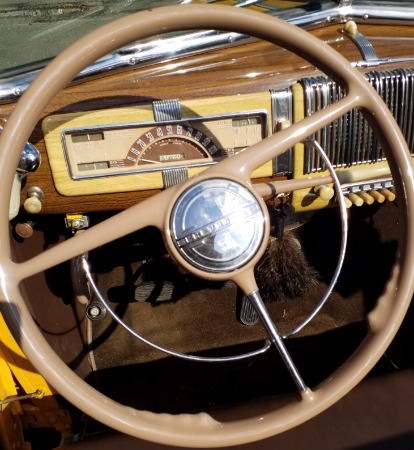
{"x":170,"y":47}
{"x":142,"y":54}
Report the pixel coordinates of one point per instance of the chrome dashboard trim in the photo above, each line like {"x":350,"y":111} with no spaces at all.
{"x":368,"y":185}
{"x":173,"y":46}
{"x":282,"y":113}
{"x":141,"y":54}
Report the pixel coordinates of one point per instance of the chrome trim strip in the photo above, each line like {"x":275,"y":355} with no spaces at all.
{"x":154,"y":51}
{"x":173,"y":176}
{"x":381,"y":61}
{"x":282,"y":111}
{"x":141,"y":54}
{"x":367,"y":186}
{"x":166,"y":110}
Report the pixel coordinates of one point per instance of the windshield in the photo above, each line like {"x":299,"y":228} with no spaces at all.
{"x":33,"y":31}
{"x":37,"y":30}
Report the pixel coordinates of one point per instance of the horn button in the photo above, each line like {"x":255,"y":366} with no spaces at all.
{"x":217,"y":225}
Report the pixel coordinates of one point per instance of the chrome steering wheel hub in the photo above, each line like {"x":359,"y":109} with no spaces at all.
{"x":217,"y":225}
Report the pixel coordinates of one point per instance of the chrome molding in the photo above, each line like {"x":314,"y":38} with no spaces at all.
{"x":178,"y":45}
{"x":141,"y":54}
{"x":282,"y":112}
{"x":367,"y":186}
{"x":165,"y":110}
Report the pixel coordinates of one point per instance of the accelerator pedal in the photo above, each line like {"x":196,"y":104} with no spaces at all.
{"x":248,"y":315}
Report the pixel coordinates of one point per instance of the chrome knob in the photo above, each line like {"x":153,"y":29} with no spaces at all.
{"x":30,"y":159}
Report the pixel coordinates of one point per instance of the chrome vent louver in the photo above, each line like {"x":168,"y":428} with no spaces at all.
{"x":349,"y":141}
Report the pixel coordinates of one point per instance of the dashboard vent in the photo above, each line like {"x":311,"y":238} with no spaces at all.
{"x":349,"y":141}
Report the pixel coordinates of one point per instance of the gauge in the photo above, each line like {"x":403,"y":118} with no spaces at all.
{"x":170,"y":144}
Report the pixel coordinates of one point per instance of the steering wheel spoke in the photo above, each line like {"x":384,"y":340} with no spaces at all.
{"x":244,"y":163}
{"x":276,"y":339}
{"x":146,"y":213}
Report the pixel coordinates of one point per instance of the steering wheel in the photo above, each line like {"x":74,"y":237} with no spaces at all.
{"x":214,"y":249}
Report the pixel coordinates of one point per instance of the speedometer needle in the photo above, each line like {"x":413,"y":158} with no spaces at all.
{"x":150,"y":161}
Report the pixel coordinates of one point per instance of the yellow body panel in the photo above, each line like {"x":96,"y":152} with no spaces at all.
{"x":13,"y":361}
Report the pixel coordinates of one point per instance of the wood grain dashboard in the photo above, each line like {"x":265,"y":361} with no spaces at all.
{"x":227,"y":81}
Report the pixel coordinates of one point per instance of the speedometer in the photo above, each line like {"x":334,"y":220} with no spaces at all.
{"x":170,"y":144}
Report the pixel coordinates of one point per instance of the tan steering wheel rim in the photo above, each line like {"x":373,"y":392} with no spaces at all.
{"x":201,"y":430}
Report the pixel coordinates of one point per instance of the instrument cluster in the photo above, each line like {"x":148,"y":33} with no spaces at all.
{"x":127,"y":149}
{"x":131,"y":148}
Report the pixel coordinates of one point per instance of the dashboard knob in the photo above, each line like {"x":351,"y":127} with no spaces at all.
{"x":24,"y":230}
{"x":325,"y":192}
{"x":30,"y":158}
{"x":355,"y":199}
{"x":33,"y":203}
{"x":378,"y":197}
{"x":367,"y":198}
{"x":390,"y":196}
{"x":348,"y":202}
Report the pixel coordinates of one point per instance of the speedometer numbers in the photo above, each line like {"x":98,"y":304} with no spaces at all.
{"x":170,"y":144}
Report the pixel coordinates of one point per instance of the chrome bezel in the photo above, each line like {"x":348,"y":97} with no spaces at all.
{"x":150,"y":168}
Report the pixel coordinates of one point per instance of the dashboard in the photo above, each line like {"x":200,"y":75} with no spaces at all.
{"x":110,"y":142}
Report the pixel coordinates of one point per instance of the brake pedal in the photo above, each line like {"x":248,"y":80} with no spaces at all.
{"x":155,"y":292}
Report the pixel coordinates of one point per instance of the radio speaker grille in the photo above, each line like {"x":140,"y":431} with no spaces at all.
{"x":349,"y":141}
